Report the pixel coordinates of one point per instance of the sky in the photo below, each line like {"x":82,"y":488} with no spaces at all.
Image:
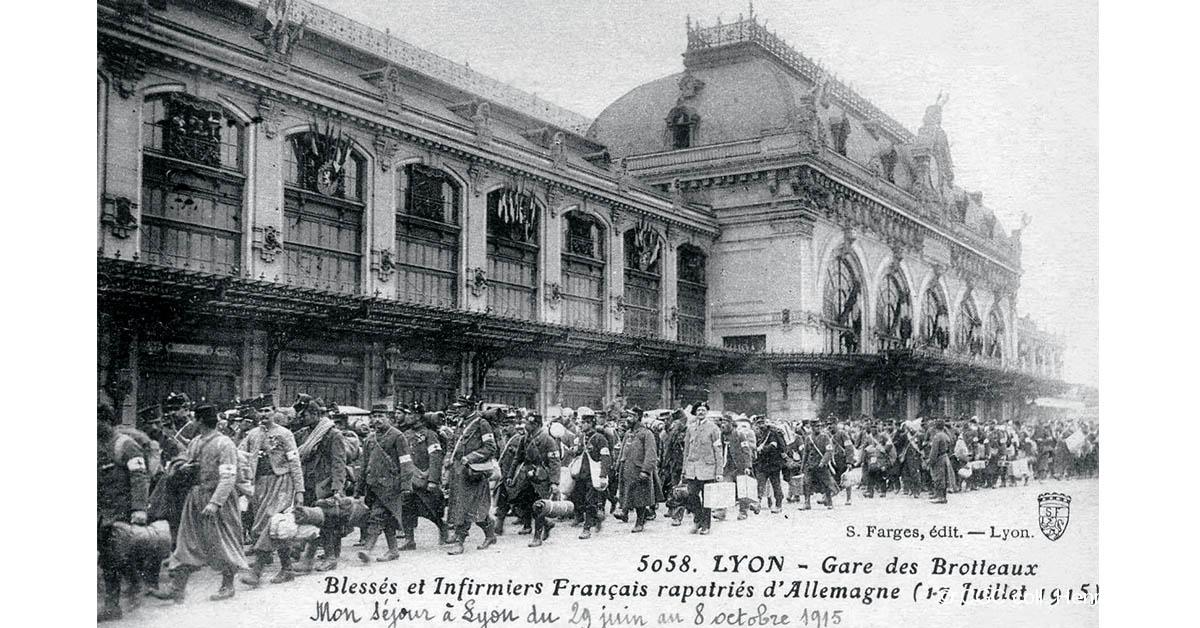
{"x":1022,"y":75}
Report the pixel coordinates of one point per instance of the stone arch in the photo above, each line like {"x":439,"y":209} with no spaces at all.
{"x":845,"y":295}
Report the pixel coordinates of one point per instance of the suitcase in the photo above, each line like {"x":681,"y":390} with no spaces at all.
{"x":719,"y":495}
{"x":747,"y":487}
{"x":133,"y":541}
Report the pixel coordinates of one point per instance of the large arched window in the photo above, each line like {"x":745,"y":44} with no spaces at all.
{"x":323,"y":211}
{"x":970,"y":328}
{"x":427,"y":237}
{"x":935,"y":320}
{"x":842,"y":312}
{"x":643,"y":282}
{"x":513,"y":219}
{"x":692,"y":294}
{"x":193,"y":184}
{"x":583,"y":255}
{"x":994,"y":347}
{"x":894,"y":313}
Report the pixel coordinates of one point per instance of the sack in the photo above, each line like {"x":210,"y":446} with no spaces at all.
{"x":977,"y":465}
{"x":576,"y":466}
{"x":747,"y":487}
{"x":306,"y":533}
{"x":566,"y":481}
{"x":309,"y":515}
{"x":852,"y":478}
{"x":1020,"y":468}
{"x":960,"y":450}
{"x":796,"y":485}
{"x":128,"y":541}
{"x":554,"y":509}
{"x":1075,"y":442}
{"x":965,"y":473}
{"x":480,"y":471}
{"x":719,"y":494}
{"x":282,"y":526}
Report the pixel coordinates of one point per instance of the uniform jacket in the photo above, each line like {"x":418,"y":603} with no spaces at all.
{"x":596,"y":450}
{"x":771,"y":450}
{"x":672,"y":458}
{"x":702,"y":451}
{"x":427,"y":455}
{"x":218,"y":460}
{"x":123,"y":484}
{"x":539,"y":462}
{"x":739,"y":453}
{"x":470,"y":502}
{"x":325,"y":468}
{"x":279,"y":447}
{"x":387,"y":463}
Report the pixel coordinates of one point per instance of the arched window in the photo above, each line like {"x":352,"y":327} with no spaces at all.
{"x":894,"y":313}
{"x":843,"y":307}
{"x":193,"y":184}
{"x":995,"y":335}
{"x":583,"y":255}
{"x":681,"y":126}
{"x":970,"y":328}
{"x":323,"y":211}
{"x":935,"y":320}
{"x":513,"y":222}
{"x":643,"y":282}
{"x":692,"y":294}
{"x":427,"y":236}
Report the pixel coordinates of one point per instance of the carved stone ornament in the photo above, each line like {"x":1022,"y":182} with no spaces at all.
{"x":689,"y":87}
{"x":554,"y":200}
{"x":125,"y":65}
{"x":477,"y":281}
{"x":478,"y":175}
{"x":383,"y":262}
{"x":269,"y":243}
{"x":553,"y":294}
{"x":386,"y":148}
{"x":673,"y":316}
{"x":481,"y":120}
{"x":618,"y":305}
{"x":387,"y":81}
{"x":270,"y":115}
{"x":623,"y":177}
{"x":558,"y":150}
{"x":119,"y":214}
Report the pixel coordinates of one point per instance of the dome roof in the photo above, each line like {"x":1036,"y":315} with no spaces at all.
{"x":738,"y":99}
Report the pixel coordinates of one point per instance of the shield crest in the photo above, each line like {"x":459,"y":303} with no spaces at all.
{"x":1054,"y":513}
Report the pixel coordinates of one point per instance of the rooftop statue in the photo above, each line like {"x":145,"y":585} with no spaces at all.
{"x":933,"y":137}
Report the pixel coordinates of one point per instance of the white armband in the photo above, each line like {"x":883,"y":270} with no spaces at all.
{"x":604,"y":451}
{"x":136,"y":464}
{"x":488,"y":437}
{"x":434,"y":447}
{"x":227,"y":470}
{"x":293,"y":455}
{"x":405,"y":458}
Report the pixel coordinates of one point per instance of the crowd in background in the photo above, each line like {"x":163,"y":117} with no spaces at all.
{"x":255,"y":484}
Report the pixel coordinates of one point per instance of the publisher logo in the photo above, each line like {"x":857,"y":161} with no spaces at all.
{"x":1054,"y":512}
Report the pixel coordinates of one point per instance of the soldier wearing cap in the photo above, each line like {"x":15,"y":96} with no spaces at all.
{"x":425,"y":499}
{"x":470,"y":493}
{"x":210,"y":528}
{"x":770,"y":449}
{"x":506,"y":491}
{"x":278,"y":486}
{"x":816,"y":458}
{"x":637,"y":464}
{"x":123,"y":490}
{"x":323,"y":459}
{"x":386,"y":479}
{"x":938,"y":461}
{"x":591,"y":482}
{"x":538,"y":464}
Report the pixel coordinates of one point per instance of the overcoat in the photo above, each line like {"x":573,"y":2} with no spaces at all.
{"x":639,"y":454}
{"x":470,"y":500}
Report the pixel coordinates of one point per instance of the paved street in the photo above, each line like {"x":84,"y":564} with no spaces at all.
{"x":612,"y":557}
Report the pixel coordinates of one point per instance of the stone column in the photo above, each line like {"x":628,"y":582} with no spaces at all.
{"x":474,"y":243}
{"x":912,"y":402}
{"x":866,"y":392}
{"x":802,"y":403}
{"x":121,"y":198}
{"x":266,"y":195}
{"x":551,"y":258}
{"x":670,"y":290}
{"x":381,"y":221}
{"x":616,"y":274}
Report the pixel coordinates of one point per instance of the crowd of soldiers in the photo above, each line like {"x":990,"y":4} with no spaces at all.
{"x":222,"y":479}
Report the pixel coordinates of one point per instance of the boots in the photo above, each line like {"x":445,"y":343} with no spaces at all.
{"x":285,"y":568}
{"x":526,"y":528}
{"x":443,"y":534}
{"x":489,"y":535}
{"x":226,"y":590}
{"x":807,"y":503}
{"x":112,"y":602}
{"x":587,"y":532}
{"x":306,"y":560}
{"x":254,"y":577}
{"x":847,"y":497}
{"x":410,"y":543}
{"x":364,"y":554}
{"x":392,"y":554}
{"x":537,"y":534}
{"x":178,"y":588}
{"x":456,"y":545}
{"x":499,"y":527}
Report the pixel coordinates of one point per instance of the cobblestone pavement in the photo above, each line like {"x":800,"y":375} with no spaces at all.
{"x":612,"y":558}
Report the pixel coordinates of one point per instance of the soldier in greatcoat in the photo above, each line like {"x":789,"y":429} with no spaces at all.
{"x":425,"y":499}
{"x":210,"y":528}
{"x":595,"y":458}
{"x":538,"y":467}
{"x":122,"y":493}
{"x":466,"y":476}
{"x":940,"y":470}
{"x":641,"y":488}
{"x":816,"y":459}
{"x":323,"y":459}
{"x":506,"y":490}
{"x":386,"y":479}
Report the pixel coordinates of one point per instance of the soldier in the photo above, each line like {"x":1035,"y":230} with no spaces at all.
{"x":817,"y":461}
{"x":466,"y":477}
{"x":940,"y":471}
{"x":278,"y":486}
{"x":385,"y":482}
{"x":323,"y":459}
{"x":538,"y":467}
{"x":592,"y":480}
{"x":770,"y":448}
{"x":703,"y":462}
{"x":425,"y":499}
{"x":638,"y":464}
{"x":671,"y":464}
{"x":739,"y":444}
{"x":505,"y":492}
{"x":210,"y":528}
{"x":122,"y":493}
